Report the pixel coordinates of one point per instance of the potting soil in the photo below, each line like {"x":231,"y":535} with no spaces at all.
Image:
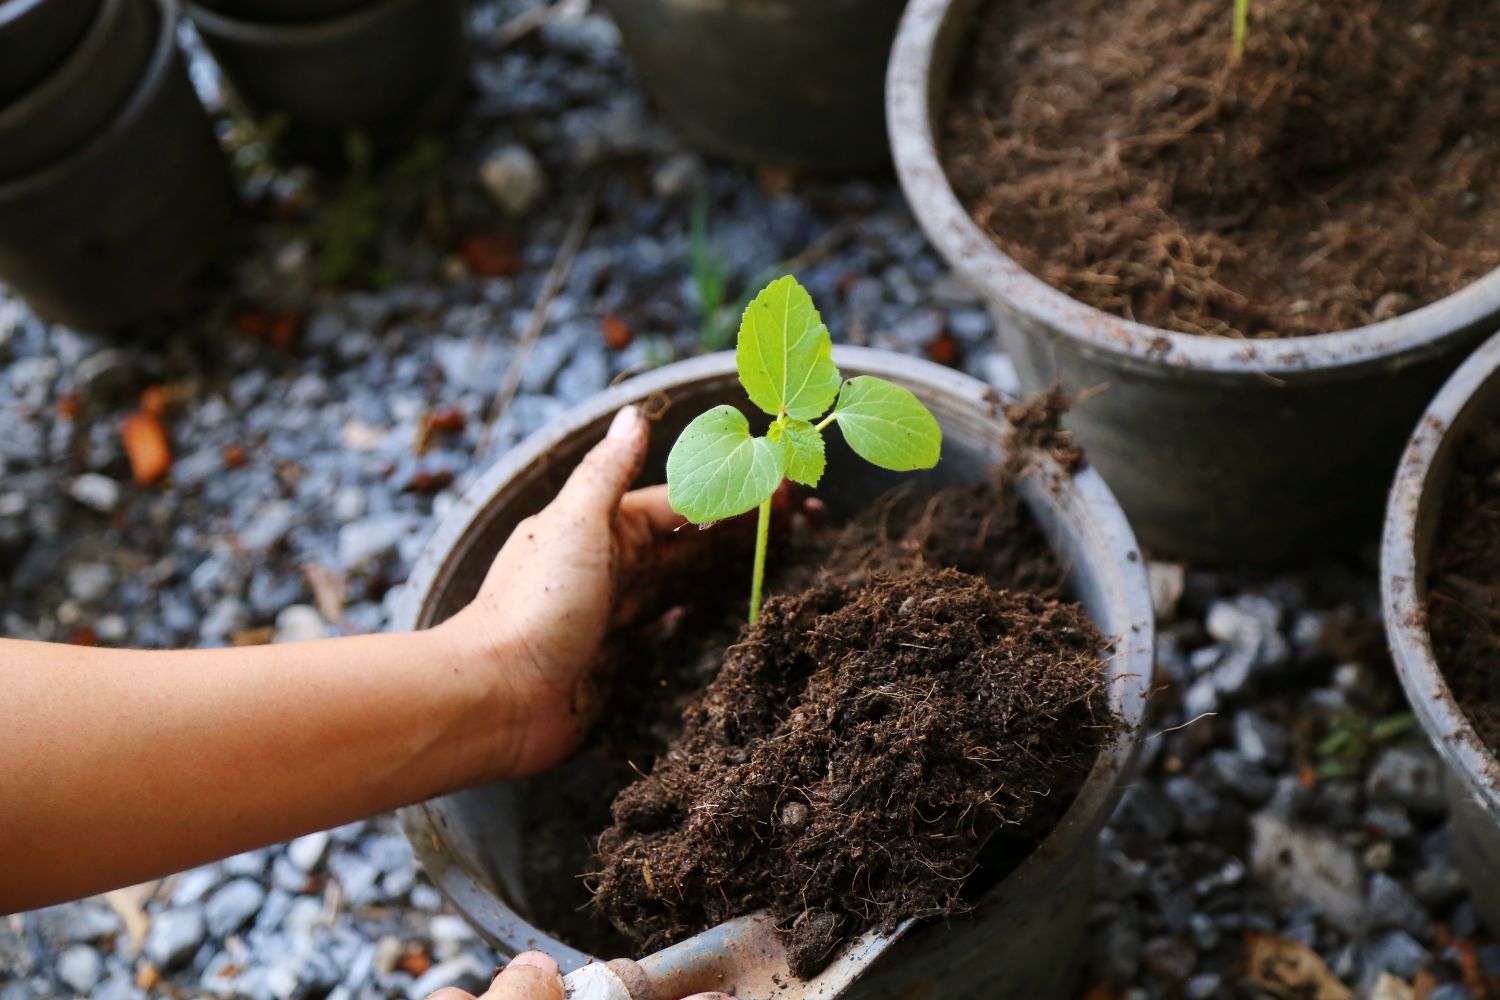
{"x":912,"y":714}
{"x":1463,"y":603}
{"x":1343,"y":172}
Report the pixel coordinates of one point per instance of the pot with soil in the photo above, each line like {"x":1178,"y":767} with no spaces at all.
{"x":1440,"y":592}
{"x":953,"y":544}
{"x":125,"y":192}
{"x":35,"y":37}
{"x":314,"y":73}
{"x":781,"y":82}
{"x":1266,"y":267}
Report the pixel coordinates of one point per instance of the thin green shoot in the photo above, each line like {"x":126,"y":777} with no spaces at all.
{"x":1241,"y":29}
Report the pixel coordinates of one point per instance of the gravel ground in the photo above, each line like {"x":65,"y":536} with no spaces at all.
{"x":327,"y":396}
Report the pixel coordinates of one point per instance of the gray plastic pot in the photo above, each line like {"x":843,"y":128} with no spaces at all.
{"x":76,"y":101}
{"x":35,"y":37}
{"x":793,"y":83}
{"x":111,"y":232}
{"x":1022,"y":939}
{"x":1220,"y":450}
{"x":390,"y":69}
{"x":1471,"y":397}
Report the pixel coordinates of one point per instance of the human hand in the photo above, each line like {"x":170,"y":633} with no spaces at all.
{"x":531,"y":975}
{"x":563,"y":576}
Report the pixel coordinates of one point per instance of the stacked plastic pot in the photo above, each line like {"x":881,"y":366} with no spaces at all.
{"x":315,"y":71}
{"x":113,"y":189}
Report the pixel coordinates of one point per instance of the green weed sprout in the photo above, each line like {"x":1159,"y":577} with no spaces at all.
{"x":717,"y":469}
{"x":1241,"y":28}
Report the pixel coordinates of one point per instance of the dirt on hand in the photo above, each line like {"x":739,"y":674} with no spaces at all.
{"x":1463,"y":602}
{"x":1345,"y":171}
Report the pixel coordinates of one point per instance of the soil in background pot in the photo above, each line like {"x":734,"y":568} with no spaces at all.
{"x":1347,"y":170}
{"x":978,"y":741}
{"x":1463,"y":583}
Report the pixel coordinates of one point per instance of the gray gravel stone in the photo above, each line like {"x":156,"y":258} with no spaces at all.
{"x":174,"y":936}
{"x":232,"y":906}
{"x":514,"y":178}
{"x":96,"y":492}
{"x":79,"y":967}
{"x":300,"y":623}
{"x":307,"y":852}
{"x":1409,"y":776}
{"x":1389,"y":905}
{"x":1396,"y":952}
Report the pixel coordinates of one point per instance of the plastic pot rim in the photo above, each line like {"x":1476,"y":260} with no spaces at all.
{"x":912,"y":94}
{"x":1134,"y":644}
{"x":1410,"y":522}
{"x":13,"y":10}
{"x":96,"y":40}
{"x":160,"y":63}
{"x":293,"y":34}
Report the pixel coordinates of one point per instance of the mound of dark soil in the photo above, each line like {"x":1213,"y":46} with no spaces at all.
{"x":1463,"y":603}
{"x":855,"y":753}
{"x":1345,"y":171}
{"x":981,"y":529}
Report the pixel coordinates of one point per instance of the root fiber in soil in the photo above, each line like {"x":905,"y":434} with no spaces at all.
{"x":1344,"y":172}
{"x":982,"y":530}
{"x":1463,"y":584}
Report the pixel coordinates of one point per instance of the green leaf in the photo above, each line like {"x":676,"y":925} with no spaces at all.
{"x":888,"y":426}
{"x":803,"y":444}
{"x":784,"y":353}
{"x":717,"y":470}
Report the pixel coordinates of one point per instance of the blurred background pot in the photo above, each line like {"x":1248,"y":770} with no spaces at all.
{"x":1022,"y":940}
{"x":793,"y":83}
{"x":283,"y":11}
{"x":110,"y":232}
{"x":389,"y":69}
{"x":1470,"y":398}
{"x":1234,"y":451}
{"x":75,"y":102}
{"x":35,"y":37}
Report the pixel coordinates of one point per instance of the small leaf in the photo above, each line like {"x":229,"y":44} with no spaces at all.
{"x":888,"y":426}
{"x":803,"y":444}
{"x":717,"y":470}
{"x":784,"y":354}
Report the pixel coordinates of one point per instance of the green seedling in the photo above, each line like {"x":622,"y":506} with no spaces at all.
{"x":717,"y":469}
{"x":1241,"y":29}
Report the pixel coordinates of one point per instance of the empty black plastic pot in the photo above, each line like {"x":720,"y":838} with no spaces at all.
{"x":76,"y":101}
{"x":35,"y":37}
{"x":795,"y":83}
{"x":1264,"y":451}
{"x":391,"y":69}
{"x":110,"y":232}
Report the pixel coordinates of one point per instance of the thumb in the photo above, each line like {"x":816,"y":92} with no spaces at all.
{"x":596,"y":487}
{"x":531,"y":975}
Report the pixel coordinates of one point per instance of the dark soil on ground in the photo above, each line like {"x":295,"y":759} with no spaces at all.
{"x":1463,"y":604}
{"x":1345,"y":171}
{"x":662,"y":670}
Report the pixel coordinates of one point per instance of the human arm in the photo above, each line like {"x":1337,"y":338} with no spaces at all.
{"x":117,"y":766}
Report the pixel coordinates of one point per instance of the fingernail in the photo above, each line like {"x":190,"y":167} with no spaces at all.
{"x":535,"y":959}
{"x":625,"y":423}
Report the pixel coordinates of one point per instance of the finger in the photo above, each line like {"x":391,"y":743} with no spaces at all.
{"x":710,"y":996}
{"x":606,"y":472}
{"x":531,"y":975}
{"x":650,"y":504}
{"x":450,"y":993}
